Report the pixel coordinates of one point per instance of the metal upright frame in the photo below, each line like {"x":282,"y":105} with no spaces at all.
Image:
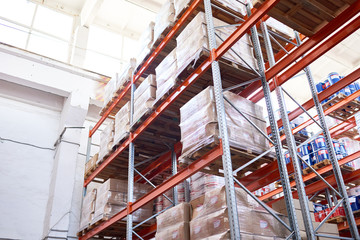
{"x":269,"y":81}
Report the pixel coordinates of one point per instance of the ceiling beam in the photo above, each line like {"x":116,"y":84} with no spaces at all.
{"x":89,"y":11}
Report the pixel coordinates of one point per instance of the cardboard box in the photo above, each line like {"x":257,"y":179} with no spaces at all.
{"x":178,"y":231}
{"x":177,"y":214}
{"x":197,"y":206}
{"x":280,"y":206}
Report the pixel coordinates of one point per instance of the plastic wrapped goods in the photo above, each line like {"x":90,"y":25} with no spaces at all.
{"x":194,"y":39}
{"x":88,"y":208}
{"x":91,"y":164}
{"x":199,"y":127}
{"x":106,"y":141}
{"x":122,"y":123}
{"x":146,"y":40}
{"x":144,"y":97}
{"x":126,"y":75}
{"x":233,"y":4}
{"x":200,"y":183}
{"x":166,"y":74}
{"x":109,"y":90}
{"x":164,"y":18}
{"x":179,"y":213}
{"x":112,"y":198}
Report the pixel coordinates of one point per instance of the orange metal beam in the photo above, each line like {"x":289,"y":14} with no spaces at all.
{"x":194,"y":167}
{"x":344,"y":225}
{"x":146,"y":65}
{"x":147,"y":231}
{"x":313,"y":175}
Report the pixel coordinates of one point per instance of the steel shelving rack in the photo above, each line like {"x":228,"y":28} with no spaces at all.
{"x":280,"y":68}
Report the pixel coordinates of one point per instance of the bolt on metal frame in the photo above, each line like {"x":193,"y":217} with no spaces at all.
{"x":216,"y":54}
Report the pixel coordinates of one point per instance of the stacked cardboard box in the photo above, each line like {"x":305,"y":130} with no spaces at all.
{"x":91,"y":164}
{"x":194,"y":39}
{"x":109,"y":90}
{"x":164,"y":19}
{"x":88,"y":209}
{"x":144,"y":97}
{"x":236,"y":5}
{"x":106,"y":142}
{"x":327,"y":228}
{"x":210,"y":220}
{"x":166,"y":73}
{"x":200,"y":183}
{"x":146,"y":42}
{"x":122,"y":123}
{"x":112,"y":198}
{"x":199,"y":126}
{"x":174,"y":223}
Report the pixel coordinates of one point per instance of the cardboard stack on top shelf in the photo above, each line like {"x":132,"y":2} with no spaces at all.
{"x":164,"y":19}
{"x":236,"y":5}
{"x":122,"y":123}
{"x":201,"y":129}
{"x":166,"y":74}
{"x":327,"y":228}
{"x":144,"y":97}
{"x":210,"y":220}
{"x":146,"y":41}
{"x":106,"y":142}
{"x":194,"y":39}
{"x":174,"y":223}
{"x":112,"y":198}
{"x":118,"y":82}
{"x":88,"y":209}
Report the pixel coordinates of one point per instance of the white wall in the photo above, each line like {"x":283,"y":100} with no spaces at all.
{"x":25,"y":170}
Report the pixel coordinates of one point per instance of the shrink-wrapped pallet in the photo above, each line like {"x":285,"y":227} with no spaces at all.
{"x":235,"y":5}
{"x":146,"y":40}
{"x":109,"y":90}
{"x":193,"y":40}
{"x":164,"y":19}
{"x":200,"y":183}
{"x":211,"y":218}
{"x":166,"y":74}
{"x":122,"y":123}
{"x":199,"y":127}
{"x":112,"y":198}
{"x":126,"y":75}
{"x":144,"y":97}
{"x":174,"y":223}
{"x":106,"y":141}
{"x":91,"y":164}
{"x":88,"y":209}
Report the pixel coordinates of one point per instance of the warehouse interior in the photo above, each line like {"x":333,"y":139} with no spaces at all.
{"x":179,"y":119}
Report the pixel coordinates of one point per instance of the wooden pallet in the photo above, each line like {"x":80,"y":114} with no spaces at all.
{"x":346,"y":111}
{"x":307,"y":17}
{"x":317,"y":166}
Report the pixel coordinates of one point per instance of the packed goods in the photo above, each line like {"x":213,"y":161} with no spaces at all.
{"x":238,"y":6}
{"x":166,"y":74}
{"x":146,"y":41}
{"x":200,"y":183}
{"x":122,"y":123}
{"x":174,"y":223}
{"x":164,"y":19}
{"x":91,"y":164}
{"x":106,"y":141}
{"x":112,"y":198}
{"x":118,"y":82}
{"x":162,"y":203}
{"x":199,"y":126}
{"x":88,"y":208}
{"x":194,"y":39}
{"x":144,"y":97}
{"x":211,"y":217}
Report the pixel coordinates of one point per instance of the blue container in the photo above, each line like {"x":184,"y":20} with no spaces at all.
{"x":320,"y":87}
{"x":334,"y":77}
{"x":337,"y":148}
{"x":327,"y":83}
{"x":287,"y":157}
{"x":322,"y":155}
{"x":352,"y":88}
{"x":357,"y":87}
{"x":312,"y":155}
{"x":355,"y":203}
{"x":318,"y":207}
{"x":343,"y":150}
{"x":318,"y":143}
